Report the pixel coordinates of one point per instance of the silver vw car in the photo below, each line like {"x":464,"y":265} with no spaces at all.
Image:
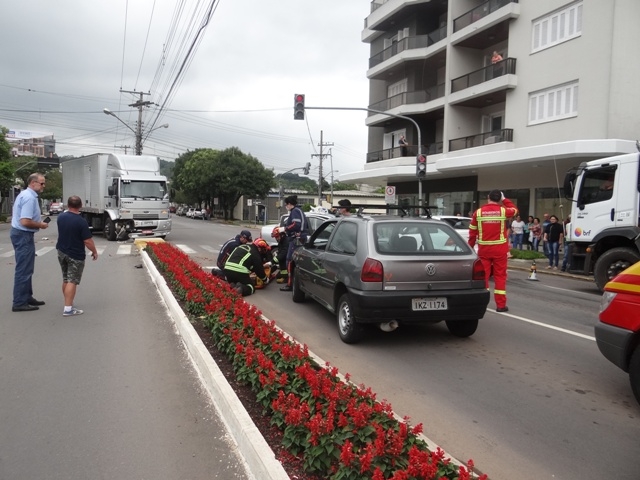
{"x":391,"y":270}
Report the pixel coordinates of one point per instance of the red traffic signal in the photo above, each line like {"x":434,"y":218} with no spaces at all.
{"x":298,"y":106}
{"x":421,"y":166}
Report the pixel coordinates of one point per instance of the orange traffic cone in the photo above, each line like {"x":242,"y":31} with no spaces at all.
{"x":532,"y":272}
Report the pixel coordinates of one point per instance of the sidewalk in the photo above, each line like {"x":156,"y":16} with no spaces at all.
{"x":541,"y":268}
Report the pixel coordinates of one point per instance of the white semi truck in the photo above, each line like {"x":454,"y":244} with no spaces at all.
{"x":604,"y":232}
{"x":124,"y":196}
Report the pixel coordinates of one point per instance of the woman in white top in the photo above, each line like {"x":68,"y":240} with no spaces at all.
{"x":517,"y":228}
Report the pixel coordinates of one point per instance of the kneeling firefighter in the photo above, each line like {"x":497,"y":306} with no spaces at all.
{"x":245,"y":260}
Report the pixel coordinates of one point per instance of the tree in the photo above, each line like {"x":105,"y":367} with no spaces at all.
{"x":206,"y":174}
{"x":7,"y":171}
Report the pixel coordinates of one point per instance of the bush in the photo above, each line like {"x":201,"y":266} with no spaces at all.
{"x":526,"y":254}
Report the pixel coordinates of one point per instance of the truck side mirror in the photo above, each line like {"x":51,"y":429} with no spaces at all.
{"x":110,"y":190}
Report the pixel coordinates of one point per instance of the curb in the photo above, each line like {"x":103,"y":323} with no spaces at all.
{"x":258,"y":456}
{"x":525,"y":265}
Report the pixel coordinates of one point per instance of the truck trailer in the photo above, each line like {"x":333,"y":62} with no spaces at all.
{"x":604,"y":233}
{"x":124,"y":196}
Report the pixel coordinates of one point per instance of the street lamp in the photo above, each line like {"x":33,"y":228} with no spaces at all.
{"x":137,"y":132}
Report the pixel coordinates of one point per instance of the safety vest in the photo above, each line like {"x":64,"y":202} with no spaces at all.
{"x":237,"y":259}
{"x":487,"y":227}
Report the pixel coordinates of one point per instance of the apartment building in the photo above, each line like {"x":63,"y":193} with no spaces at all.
{"x":562,"y":89}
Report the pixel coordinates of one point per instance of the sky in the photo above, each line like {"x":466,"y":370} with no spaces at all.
{"x":225,"y":82}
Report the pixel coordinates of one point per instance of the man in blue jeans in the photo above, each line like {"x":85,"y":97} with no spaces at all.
{"x":25,"y":222}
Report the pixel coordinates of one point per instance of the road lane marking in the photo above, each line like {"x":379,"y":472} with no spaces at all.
{"x":124,"y":250}
{"x":186,"y":249}
{"x":546,"y":325}
{"x":209,"y":248}
{"x":44,"y":250}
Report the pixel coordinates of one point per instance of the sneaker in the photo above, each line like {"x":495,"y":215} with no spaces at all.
{"x":549,"y":267}
{"x":555,"y":268}
{"x":286,"y":288}
{"x":72,"y":312}
{"x":502,"y":309}
{"x":281,"y":280}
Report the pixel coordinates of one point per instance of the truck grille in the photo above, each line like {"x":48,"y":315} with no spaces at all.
{"x":145,"y":216}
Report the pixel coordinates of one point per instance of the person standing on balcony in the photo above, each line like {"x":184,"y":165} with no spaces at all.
{"x":403,"y":145}
{"x":496,"y":60}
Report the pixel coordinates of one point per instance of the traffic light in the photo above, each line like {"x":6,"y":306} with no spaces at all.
{"x":421,"y":166}
{"x":298,"y":106}
{"x":306,"y":168}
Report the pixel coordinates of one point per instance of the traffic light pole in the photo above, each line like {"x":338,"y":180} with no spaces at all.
{"x":390,"y":115}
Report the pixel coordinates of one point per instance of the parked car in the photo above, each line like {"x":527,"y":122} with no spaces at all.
{"x":190,"y":212}
{"x":172,"y":209}
{"x":618,"y":332}
{"x":389,"y":271}
{"x":198,"y":213}
{"x":180,"y":211}
{"x":460,"y":224}
{"x":55,"y":208}
{"x":315,"y":220}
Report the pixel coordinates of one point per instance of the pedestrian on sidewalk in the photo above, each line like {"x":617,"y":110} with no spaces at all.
{"x":74,"y":237}
{"x":517,"y":227}
{"x":488,"y":227}
{"x":553,"y":236}
{"x":25,"y":222}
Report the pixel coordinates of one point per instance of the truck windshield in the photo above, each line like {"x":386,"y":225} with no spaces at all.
{"x":144,"y":190}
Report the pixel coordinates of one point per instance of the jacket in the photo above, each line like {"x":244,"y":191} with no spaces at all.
{"x":489,"y":224}
{"x":228,"y":247}
{"x":246,"y":259}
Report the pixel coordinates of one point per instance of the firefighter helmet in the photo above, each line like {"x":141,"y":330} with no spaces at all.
{"x":276,"y":233}
{"x":263,"y":247}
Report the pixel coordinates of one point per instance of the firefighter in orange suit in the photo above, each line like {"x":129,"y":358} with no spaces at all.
{"x":488,"y":228}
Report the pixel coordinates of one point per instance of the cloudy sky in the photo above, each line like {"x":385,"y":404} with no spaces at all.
{"x":228,"y":82}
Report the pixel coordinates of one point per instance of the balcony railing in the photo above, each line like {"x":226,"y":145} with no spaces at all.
{"x":408,"y":98}
{"x":498,"y":69}
{"x":408,"y":151}
{"x":408,"y":43}
{"x":376,"y":4}
{"x":489,"y":138}
{"x":479,"y":12}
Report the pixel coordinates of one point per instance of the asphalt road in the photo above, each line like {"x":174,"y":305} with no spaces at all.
{"x":528,"y":396}
{"x":109,"y":394}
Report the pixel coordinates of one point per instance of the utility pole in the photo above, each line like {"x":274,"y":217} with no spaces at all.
{"x":321,"y":156}
{"x":139,"y":104}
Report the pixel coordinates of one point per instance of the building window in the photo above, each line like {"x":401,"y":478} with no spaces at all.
{"x":553,"y":103}
{"x":557,"y":27}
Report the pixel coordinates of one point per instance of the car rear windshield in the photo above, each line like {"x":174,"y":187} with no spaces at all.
{"x":418,"y":238}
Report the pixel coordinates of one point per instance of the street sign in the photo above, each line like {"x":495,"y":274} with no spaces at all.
{"x":390,"y":194}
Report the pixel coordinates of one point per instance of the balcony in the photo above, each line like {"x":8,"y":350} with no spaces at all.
{"x":399,"y":152}
{"x":479,"y":13}
{"x":408,"y":98}
{"x":408,"y":43}
{"x":499,"y":69}
{"x":489,"y":138}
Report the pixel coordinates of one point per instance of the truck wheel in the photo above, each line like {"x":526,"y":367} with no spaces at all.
{"x":298,"y":295}
{"x":109,"y":230}
{"x":348,"y":329}
{"x":462,"y":328}
{"x":634,"y":373}
{"x":611,"y":263}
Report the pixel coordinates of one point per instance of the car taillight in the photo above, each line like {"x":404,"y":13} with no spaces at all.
{"x":372,"y":271}
{"x":478,"y":270}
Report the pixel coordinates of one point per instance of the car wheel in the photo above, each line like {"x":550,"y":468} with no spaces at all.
{"x":109,"y":230}
{"x":298,"y":295}
{"x":634,"y":373}
{"x":611,"y":263}
{"x":462,"y":328}
{"x":348,"y":329}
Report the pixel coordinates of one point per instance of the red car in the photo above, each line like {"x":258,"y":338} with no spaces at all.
{"x":618,"y":333}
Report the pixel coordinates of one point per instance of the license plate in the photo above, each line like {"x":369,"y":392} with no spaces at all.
{"x":147,"y":232}
{"x":143,"y":223}
{"x":436,"y":303}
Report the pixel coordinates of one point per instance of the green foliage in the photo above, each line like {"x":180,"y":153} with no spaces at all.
{"x":5,"y":147}
{"x":166,"y":168}
{"x":227,"y":175}
{"x":294,"y":181}
{"x":53,"y":190}
{"x":526,"y":254}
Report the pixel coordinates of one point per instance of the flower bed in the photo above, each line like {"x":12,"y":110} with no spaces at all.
{"x":339,"y":430}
